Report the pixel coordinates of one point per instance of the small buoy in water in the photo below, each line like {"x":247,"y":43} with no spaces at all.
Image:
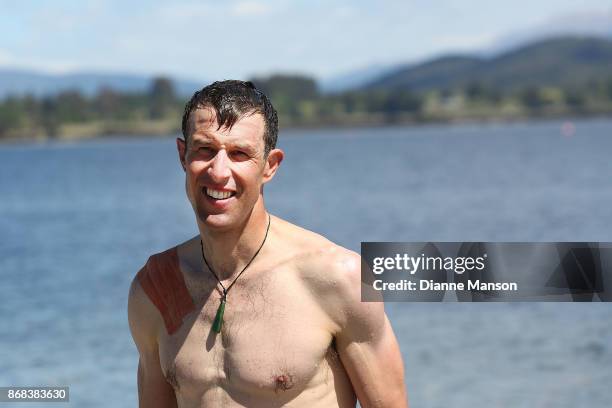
{"x":568,"y":129}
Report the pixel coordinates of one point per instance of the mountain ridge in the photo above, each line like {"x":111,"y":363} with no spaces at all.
{"x":559,"y":61}
{"x":19,"y":82}
{"x":562,"y":61}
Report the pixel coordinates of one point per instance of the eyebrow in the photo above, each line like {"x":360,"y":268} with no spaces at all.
{"x":238,"y":144}
{"x":201,"y":141}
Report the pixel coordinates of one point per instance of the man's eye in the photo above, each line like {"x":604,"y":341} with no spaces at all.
{"x":206,"y":150}
{"x":239,"y":155}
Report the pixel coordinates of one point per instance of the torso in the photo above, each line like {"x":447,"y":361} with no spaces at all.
{"x":276,"y":346}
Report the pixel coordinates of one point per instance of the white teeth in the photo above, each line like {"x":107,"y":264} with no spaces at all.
{"x":219,"y":195}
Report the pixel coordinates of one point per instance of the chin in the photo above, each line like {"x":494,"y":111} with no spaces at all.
{"x":218,"y":222}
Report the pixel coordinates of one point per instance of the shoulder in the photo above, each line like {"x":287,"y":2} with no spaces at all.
{"x":333,"y":275}
{"x":159,"y":291}
{"x":143,"y":312}
{"x":145,"y":278}
{"x":298,"y":241}
{"x":343,"y":269}
{"x":315,"y":256}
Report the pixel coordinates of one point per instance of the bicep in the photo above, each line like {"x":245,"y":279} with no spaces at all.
{"x":374,"y":365}
{"x":366,"y":343}
{"x":153,"y":389}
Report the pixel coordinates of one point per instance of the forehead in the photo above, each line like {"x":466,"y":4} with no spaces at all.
{"x":249,"y":128}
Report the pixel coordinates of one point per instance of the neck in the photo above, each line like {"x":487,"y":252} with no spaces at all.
{"x":228,"y":251}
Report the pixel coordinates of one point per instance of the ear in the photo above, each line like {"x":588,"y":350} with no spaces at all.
{"x":181,"y":147}
{"x":275,"y":157}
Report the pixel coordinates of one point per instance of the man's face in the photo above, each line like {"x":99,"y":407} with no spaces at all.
{"x":225,"y":169}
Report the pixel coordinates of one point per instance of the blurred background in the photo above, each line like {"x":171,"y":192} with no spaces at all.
{"x":401,"y":121}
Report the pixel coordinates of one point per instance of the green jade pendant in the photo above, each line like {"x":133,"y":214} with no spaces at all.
{"x":218,"y":323}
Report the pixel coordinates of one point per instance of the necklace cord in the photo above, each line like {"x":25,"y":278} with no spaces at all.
{"x":226,"y":290}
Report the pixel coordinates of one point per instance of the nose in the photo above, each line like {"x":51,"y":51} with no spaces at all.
{"x":219,"y":170}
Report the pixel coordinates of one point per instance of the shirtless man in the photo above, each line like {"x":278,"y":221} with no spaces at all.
{"x":291,"y":329}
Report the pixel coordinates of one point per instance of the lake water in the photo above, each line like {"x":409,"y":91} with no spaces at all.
{"x":77,"y":220}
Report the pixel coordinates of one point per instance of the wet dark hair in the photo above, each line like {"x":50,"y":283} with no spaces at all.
{"x":231,"y":100}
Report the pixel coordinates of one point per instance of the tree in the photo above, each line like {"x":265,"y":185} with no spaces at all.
{"x":287,"y":91}
{"x":297,"y":87}
{"x":574,"y":99}
{"x":49,"y":120}
{"x":532,"y":98}
{"x":475,"y":90}
{"x":162,"y":97}
{"x":354,"y":101}
{"x":71,"y":107}
{"x":10,"y":115}
{"x":106,"y":103}
{"x":479,"y":91}
{"x":402,"y":101}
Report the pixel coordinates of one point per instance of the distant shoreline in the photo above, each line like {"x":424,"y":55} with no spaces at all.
{"x":156,"y":132}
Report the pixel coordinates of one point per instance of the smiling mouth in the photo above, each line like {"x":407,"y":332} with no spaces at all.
{"x":218,"y":194}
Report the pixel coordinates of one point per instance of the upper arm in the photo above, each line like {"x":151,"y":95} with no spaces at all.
{"x":153,"y":389}
{"x":366,"y":343}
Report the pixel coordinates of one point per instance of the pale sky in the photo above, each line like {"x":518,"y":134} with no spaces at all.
{"x":205,"y":40}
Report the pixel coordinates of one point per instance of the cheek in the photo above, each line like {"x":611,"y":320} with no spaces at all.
{"x":191,"y":177}
{"x":193,"y":172}
{"x":250,"y":171}
{"x":195,"y":167}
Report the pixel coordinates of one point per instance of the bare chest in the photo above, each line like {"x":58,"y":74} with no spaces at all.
{"x":274,"y":340}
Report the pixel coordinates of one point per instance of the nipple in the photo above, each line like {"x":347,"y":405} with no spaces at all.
{"x":283,"y":382}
